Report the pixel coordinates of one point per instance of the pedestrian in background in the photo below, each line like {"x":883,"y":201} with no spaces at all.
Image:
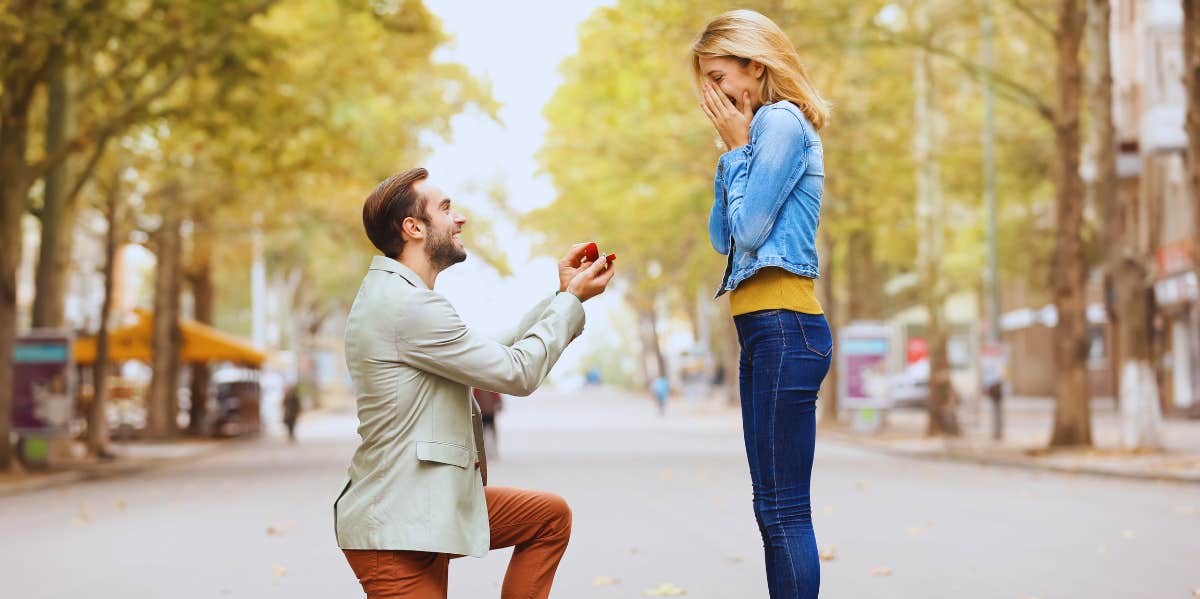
{"x":291,"y":410}
{"x":661,"y":387}
{"x":764,"y":217}
{"x":490,"y":403}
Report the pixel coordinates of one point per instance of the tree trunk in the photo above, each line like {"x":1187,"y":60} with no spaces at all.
{"x":162,"y":397}
{"x":1191,"y":72}
{"x":826,"y":292}
{"x":1072,"y":414}
{"x":943,"y":414}
{"x":943,"y":400}
{"x":14,"y":187}
{"x":723,"y":343}
{"x":200,"y":277}
{"x":1131,"y":307}
{"x":1106,"y":185}
{"x":862,"y":273}
{"x":655,"y":344}
{"x":59,"y":206}
{"x":1141,"y":416}
{"x":97,"y":420}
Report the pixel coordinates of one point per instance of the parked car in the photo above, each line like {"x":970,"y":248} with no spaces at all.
{"x":238,"y":403}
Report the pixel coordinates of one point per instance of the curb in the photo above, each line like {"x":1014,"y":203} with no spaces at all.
{"x":967,"y":457}
{"x":113,"y":469}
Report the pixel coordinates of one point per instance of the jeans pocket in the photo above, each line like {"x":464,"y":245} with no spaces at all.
{"x":816,"y":332}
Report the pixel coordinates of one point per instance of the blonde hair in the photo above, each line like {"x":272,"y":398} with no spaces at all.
{"x":748,"y":35}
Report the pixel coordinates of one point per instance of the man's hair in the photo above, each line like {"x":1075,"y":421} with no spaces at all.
{"x":386,"y":208}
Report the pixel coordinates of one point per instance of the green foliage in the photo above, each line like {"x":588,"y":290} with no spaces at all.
{"x":632,"y":156}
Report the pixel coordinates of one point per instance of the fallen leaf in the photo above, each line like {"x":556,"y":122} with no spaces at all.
{"x":85,"y":513}
{"x":633,"y":551}
{"x":120,"y":504}
{"x":271,"y":530}
{"x":1196,"y":592}
{"x":665,"y":589}
{"x":881,"y":571}
{"x":604,"y":581}
{"x":828,"y":553}
{"x":1128,"y":534}
{"x":829,"y":509}
{"x":279,"y":570}
{"x":735,"y":559}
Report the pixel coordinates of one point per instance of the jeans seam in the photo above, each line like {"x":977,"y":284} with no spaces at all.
{"x":787,"y":554}
{"x":782,"y":332}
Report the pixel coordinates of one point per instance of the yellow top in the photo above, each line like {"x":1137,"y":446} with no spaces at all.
{"x":775,"y":289}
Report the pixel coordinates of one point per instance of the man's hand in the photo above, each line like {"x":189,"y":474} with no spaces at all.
{"x":591,"y":279}
{"x":570,"y":264}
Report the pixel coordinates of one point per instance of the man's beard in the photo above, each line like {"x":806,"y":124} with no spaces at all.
{"x":441,"y":251}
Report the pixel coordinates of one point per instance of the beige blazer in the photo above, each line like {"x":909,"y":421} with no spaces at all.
{"x":416,"y":480}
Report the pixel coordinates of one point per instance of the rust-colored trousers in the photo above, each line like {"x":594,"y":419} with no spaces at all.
{"x":536,"y":524}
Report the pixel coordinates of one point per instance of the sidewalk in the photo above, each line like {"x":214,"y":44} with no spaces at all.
{"x":132,"y":457}
{"x":1027,"y":426}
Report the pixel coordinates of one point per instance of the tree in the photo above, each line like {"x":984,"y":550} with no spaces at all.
{"x":1072,"y":414}
{"x":138,"y":64}
{"x":1126,"y":259}
{"x":1068,"y":275}
{"x":97,"y":415}
{"x":943,"y":419}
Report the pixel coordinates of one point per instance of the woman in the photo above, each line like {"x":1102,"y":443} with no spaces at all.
{"x":764,"y":217}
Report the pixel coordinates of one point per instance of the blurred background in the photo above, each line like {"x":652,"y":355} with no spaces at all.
{"x":1007,"y":254}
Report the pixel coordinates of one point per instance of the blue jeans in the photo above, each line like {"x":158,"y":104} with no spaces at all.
{"x":785,"y":356}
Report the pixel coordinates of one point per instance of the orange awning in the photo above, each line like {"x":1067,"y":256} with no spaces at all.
{"x":201,"y":343}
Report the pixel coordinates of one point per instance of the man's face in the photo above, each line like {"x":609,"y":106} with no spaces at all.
{"x":443,"y":243}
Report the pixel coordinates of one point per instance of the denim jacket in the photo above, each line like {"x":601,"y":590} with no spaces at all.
{"x":768,"y":197}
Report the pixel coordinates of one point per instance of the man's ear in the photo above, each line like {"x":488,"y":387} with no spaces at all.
{"x":413,"y":228}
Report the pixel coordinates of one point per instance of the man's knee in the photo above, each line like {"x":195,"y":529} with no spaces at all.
{"x":560,"y":513}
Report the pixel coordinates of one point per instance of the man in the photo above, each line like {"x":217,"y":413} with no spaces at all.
{"x":416,"y":493}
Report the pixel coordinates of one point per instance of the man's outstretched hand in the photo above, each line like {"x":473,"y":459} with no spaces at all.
{"x":583,"y":272}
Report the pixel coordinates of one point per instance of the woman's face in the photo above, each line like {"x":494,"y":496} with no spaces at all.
{"x":732,"y":78}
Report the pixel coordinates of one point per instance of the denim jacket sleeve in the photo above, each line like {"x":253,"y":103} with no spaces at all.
{"x":754,"y":180}
{"x":718,"y":224}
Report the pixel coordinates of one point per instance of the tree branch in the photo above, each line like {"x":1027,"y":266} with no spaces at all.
{"x":1037,"y":19}
{"x":86,"y":173}
{"x":126,"y":114}
{"x":1006,"y":86}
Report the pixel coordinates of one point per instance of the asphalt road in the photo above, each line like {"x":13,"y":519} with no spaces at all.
{"x":656,"y":501}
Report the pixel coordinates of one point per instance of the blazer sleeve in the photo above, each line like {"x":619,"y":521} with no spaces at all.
{"x":514,"y":334}
{"x":433,"y":338}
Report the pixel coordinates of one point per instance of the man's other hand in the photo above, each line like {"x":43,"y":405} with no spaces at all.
{"x":591,"y":279}
{"x":570,"y":264}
